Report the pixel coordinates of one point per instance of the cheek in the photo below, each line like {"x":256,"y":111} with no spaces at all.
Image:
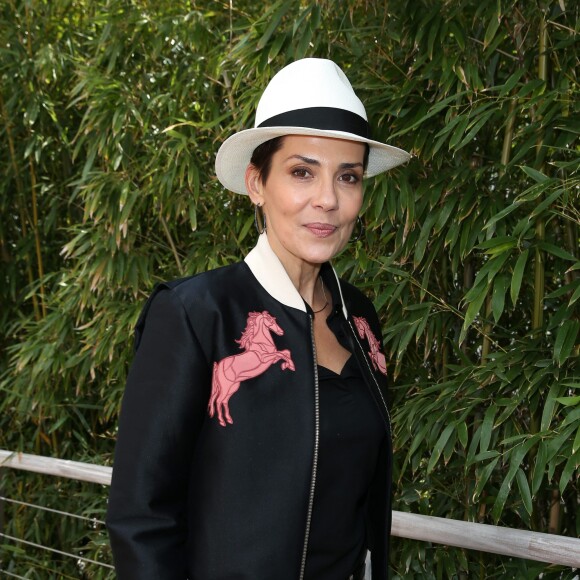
{"x":286,"y":202}
{"x":354,"y":206}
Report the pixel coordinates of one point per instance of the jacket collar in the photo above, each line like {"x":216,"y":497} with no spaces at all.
{"x":271,"y":274}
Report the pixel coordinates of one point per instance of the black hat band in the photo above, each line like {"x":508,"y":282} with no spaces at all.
{"x":324,"y":118}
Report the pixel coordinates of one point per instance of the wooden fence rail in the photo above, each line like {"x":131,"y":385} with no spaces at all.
{"x":548,"y":548}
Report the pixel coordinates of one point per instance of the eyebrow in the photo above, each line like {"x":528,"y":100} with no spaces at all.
{"x":310,"y":161}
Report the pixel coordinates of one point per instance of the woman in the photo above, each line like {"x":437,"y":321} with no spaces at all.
{"x":254,"y":439}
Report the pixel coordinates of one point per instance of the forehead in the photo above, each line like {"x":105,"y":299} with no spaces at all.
{"x":321,"y":148}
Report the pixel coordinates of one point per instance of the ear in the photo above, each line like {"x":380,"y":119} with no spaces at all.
{"x":254,"y":184}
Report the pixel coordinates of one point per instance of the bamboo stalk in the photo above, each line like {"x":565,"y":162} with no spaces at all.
{"x":170,"y":241}
{"x":231,"y":100}
{"x":508,"y":137}
{"x":33,"y":182}
{"x":468,"y":278}
{"x":487,"y":328}
{"x":37,"y":235}
{"x":539,"y":269}
{"x":19,"y":190}
{"x":443,"y":344}
{"x":554,"y":524}
{"x":539,"y":279}
{"x":571,"y":242}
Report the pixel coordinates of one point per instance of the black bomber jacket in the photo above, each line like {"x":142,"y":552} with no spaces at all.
{"x":216,"y":458}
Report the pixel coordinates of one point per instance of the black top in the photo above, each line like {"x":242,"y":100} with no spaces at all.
{"x":351,"y":434}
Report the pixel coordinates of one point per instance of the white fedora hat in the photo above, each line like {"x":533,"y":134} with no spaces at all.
{"x":311,"y":96}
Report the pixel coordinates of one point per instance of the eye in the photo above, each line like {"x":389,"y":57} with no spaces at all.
{"x":301,"y":173}
{"x":349,"y":178}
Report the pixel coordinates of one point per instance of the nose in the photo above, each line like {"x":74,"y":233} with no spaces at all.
{"x":326,"y":196}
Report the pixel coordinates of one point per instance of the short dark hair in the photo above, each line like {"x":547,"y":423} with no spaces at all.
{"x":262,"y":156}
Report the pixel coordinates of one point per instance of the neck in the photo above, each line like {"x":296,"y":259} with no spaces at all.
{"x":303,"y":275}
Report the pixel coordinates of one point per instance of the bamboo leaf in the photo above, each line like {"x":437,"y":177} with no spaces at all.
{"x":549,"y":406}
{"x":438,"y":449}
{"x":449,"y":447}
{"x":406,"y":338}
{"x":500,"y":287}
{"x":502,"y":242}
{"x":245,"y":229}
{"x":545,"y":204}
{"x":475,"y":129}
{"x":572,"y":416}
{"x":556,"y":251}
{"x":491,"y":30}
{"x":482,"y":477}
{"x":574,"y":296}
{"x":462,"y":434}
{"x":524,"y":490}
{"x":571,"y":467}
{"x":486,"y":428}
{"x":424,"y":237}
{"x":536,"y":175}
{"x":539,"y":467}
{"x":503,"y":213}
{"x":485,"y":455}
{"x":569,"y":401}
{"x":473,"y":445}
{"x":473,"y":310}
{"x":576,"y":444}
{"x":274,"y":22}
{"x":516,"y":457}
{"x":463,"y":121}
{"x":512,"y":81}
{"x":276,"y":46}
{"x":565,"y":340}
{"x":437,"y":108}
{"x":555,"y":444}
{"x":518,"y":276}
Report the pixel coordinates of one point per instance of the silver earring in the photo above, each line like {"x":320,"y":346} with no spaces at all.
{"x":260,"y":228}
{"x":361,"y":229}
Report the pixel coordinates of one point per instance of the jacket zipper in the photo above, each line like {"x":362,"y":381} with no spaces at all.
{"x":371,"y":373}
{"x":316,"y":448}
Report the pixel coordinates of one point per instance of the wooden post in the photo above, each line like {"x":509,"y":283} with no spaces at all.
{"x":2,"y":502}
{"x":493,"y":539}
{"x":549,"y":548}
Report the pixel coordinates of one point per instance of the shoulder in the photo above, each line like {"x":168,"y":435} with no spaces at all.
{"x":196,"y":292}
{"x":208,"y":279}
{"x":212,"y":285}
{"x":360,"y":307}
{"x":355,"y":299}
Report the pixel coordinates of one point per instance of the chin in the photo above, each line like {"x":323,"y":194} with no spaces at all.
{"x":322,"y":256}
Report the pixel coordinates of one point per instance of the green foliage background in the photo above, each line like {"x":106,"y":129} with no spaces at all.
{"x":111,"y":114}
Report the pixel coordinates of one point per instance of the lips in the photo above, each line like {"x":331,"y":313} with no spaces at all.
{"x":321,"y":230}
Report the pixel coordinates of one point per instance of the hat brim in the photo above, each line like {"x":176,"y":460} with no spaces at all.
{"x":235,"y":153}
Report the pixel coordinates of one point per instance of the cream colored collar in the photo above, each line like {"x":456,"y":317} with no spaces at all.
{"x":271,"y":274}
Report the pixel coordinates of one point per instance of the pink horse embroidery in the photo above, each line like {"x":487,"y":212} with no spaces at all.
{"x":375,"y":354}
{"x":260,"y":353}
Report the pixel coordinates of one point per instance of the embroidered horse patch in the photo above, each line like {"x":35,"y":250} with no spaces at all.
{"x":260,"y":353}
{"x":375,"y":354}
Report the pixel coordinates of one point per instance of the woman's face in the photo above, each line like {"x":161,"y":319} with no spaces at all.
{"x":311,"y":197}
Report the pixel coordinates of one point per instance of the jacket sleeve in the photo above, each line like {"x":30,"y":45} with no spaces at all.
{"x":380,"y":492}
{"x":163,"y":408}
